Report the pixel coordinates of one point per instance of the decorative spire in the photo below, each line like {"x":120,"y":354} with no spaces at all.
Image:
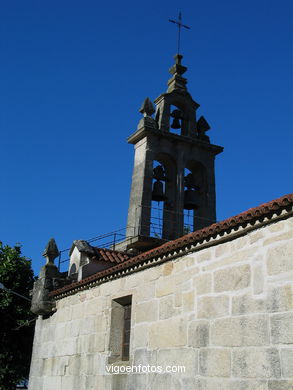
{"x":147,"y":108}
{"x":177,"y":70}
{"x":51,"y":251}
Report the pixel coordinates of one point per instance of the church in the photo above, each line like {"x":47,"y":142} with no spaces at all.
{"x":182,"y":302}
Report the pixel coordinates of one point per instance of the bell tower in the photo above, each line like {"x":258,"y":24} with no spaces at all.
{"x":173,"y":168}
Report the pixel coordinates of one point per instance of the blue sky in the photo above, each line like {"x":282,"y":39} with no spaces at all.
{"x":73,"y":76}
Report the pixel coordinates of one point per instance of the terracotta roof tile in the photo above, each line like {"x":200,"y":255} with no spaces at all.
{"x":110,"y":255}
{"x":250,"y":216}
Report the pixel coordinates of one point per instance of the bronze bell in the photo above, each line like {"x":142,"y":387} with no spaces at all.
{"x":158,"y":191}
{"x":191,"y":200}
{"x":176,"y":114}
{"x":176,"y":124}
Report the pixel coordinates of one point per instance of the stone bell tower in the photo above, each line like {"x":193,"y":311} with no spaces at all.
{"x":173,"y":166}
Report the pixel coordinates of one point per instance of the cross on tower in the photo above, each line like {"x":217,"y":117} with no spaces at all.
{"x":179,"y":24}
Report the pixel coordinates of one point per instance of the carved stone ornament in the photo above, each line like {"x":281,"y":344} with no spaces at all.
{"x":51,"y":251}
{"x":147,"y":108}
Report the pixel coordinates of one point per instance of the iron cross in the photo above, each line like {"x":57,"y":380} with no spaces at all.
{"x":179,"y":24}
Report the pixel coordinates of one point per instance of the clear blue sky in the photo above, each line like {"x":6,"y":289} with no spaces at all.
{"x":73,"y":76}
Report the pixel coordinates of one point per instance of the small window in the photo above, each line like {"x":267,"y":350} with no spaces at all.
{"x":126,"y":332}
{"x":120,"y":329}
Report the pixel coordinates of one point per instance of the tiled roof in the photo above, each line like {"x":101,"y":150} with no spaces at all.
{"x":110,"y":255}
{"x":250,"y":216}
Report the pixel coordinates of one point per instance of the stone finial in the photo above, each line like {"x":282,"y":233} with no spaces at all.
{"x":202,"y":127}
{"x":51,"y":251}
{"x":177,"y":70}
{"x":147,"y":108}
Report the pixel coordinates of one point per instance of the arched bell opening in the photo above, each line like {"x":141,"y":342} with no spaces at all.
{"x":163,"y":214}
{"x":158,"y":199}
{"x":178,"y":119}
{"x":195,"y":194}
{"x":191,"y":201}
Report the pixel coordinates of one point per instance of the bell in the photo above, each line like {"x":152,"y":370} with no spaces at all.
{"x":176,"y":114}
{"x":191,"y":199}
{"x":158,"y":191}
{"x":176,"y":124}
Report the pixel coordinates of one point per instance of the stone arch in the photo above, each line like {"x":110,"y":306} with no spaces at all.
{"x":168,"y":207}
{"x":195,"y":172}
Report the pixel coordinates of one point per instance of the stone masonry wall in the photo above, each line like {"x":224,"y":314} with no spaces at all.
{"x":224,"y":312}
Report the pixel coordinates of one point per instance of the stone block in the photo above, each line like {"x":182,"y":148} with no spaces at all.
{"x":140,"y":335}
{"x":163,"y":382}
{"x":188,"y":301}
{"x":99,"y":342}
{"x":178,"y":297}
{"x":255,"y":236}
{"x":279,"y":258}
{"x":205,"y":255}
{"x":203,"y":284}
{"x":119,"y":381}
{"x":87,"y":364}
{"x":189,"y":384}
{"x":164,"y":287}
{"x":282,"y":328}
{"x":168,"y":333}
{"x":214,"y":362}
{"x":64,"y":314}
{"x":223,"y":249}
{"x":256,"y":363}
{"x":184,"y":278}
{"x":281,"y":237}
{"x":146,"y":311}
{"x":239,"y":243}
{"x":47,"y":367}
{"x":68,"y":382}
{"x":242,"y":255}
{"x":287,"y":362}
{"x":60,"y":331}
{"x":69,"y":346}
{"x":73,"y":328}
{"x":190,"y":261}
{"x":258,"y":279}
{"x":198,"y":334}
{"x":166,"y":307}
{"x":77,"y":311}
{"x":280,"y":298}
{"x":186,"y":357}
{"x":36,"y":383}
{"x":88,"y":325}
{"x":280,"y":385}
{"x":211,"y":383}
{"x":246,"y":304}
{"x":240,"y":331}
{"x":232,"y":278}
{"x":248,"y":384}
{"x":146,"y":293}
{"x":74,"y":365}
{"x":179,"y":264}
{"x":213,"y":306}
{"x":92,"y":307}
{"x":144,"y":357}
{"x":137,"y":381}
{"x":167,"y":268}
{"x":153,"y":273}
{"x":132,"y":281}
{"x":37,"y":367}
{"x":52,"y":383}
{"x":277,"y":226}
